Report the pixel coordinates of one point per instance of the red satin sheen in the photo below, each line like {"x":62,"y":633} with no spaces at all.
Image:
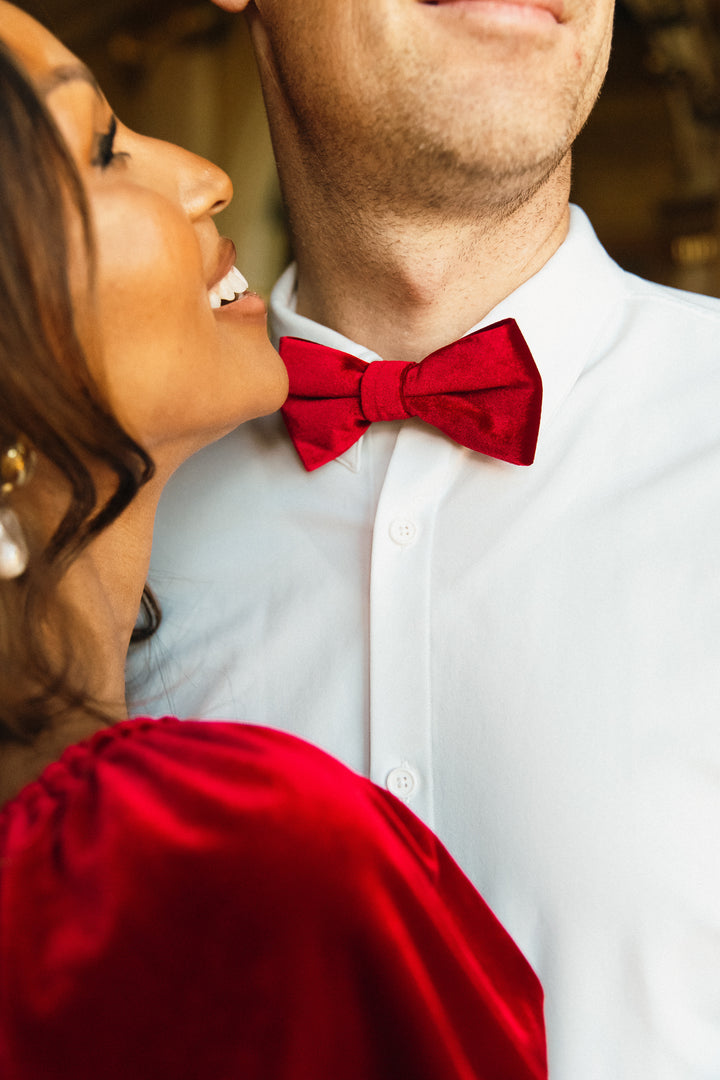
{"x":483,"y":390}
{"x":205,"y":901}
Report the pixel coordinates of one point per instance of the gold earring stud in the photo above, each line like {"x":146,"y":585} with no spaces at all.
{"x":17,"y":463}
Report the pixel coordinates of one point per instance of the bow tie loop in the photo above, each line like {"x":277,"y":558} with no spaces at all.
{"x":382,"y":386}
{"x":484,"y":391}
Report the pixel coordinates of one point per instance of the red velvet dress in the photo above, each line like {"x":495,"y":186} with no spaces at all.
{"x":206,"y":901}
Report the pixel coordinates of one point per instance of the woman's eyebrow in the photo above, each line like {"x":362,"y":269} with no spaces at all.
{"x":66,"y":73}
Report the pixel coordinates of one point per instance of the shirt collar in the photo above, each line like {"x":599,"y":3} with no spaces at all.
{"x":565,"y":312}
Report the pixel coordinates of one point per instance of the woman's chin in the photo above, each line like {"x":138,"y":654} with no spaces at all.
{"x":168,"y":457}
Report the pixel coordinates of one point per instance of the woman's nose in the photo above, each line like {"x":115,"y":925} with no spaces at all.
{"x":201,"y":187}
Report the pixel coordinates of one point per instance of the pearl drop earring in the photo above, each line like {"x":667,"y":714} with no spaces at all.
{"x":16,"y":467}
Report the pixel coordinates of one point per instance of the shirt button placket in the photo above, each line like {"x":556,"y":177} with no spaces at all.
{"x":400,"y":612}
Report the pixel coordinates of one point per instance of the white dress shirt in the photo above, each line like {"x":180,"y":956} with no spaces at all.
{"x":528,"y":656}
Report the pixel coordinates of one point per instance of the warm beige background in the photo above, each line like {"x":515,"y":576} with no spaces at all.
{"x":647,"y":167}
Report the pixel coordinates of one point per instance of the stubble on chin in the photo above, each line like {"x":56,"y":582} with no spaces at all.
{"x":414,"y":139}
{"x":415,"y":168}
{"x":415,"y":150}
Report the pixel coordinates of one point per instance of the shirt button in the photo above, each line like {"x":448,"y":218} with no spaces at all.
{"x":401,"y":782}
{"x":403,"y":531}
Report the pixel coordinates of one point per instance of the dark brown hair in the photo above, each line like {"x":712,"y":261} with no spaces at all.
{"x":48,"y":396}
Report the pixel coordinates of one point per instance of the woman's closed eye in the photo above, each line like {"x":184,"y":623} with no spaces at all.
{"x":104,"y":152}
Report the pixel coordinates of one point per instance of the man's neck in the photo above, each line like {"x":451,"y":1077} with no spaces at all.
{"x":405,"y":287}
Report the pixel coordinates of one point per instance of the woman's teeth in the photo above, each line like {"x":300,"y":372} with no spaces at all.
{"x":227,"y":290}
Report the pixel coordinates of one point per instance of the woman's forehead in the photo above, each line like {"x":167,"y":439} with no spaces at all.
{"x":38,"y":50}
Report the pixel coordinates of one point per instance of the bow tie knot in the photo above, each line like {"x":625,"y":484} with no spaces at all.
{"x":484,"y":391}
{"x":382,"y":387}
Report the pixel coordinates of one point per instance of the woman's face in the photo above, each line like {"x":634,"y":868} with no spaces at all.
{"x":178,"y":370}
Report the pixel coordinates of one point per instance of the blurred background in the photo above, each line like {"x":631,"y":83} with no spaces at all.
{"x":647,"y":165}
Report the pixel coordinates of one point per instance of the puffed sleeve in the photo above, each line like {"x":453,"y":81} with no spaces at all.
{"x":206,"y":901}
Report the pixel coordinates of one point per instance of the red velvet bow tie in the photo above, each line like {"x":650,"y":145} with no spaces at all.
{"x":484,"y":391}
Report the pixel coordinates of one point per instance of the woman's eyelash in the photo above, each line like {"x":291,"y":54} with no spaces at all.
{"x":105,"y":146}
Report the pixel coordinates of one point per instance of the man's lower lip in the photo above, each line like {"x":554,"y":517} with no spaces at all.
{"x":512,"y":10}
